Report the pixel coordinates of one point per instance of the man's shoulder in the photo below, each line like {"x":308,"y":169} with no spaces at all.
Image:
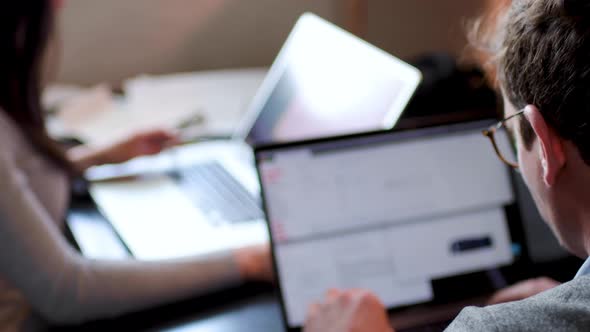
{"x":564,"y":308}
{"x":571,"y":292}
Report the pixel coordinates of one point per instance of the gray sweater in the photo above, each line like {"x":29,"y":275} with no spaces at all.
{"x":41,"y":273}
{"x":565,"y":308}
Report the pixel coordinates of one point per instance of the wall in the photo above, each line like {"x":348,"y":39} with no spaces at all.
{"x":411,"y":28}
{"x":109,"y":40}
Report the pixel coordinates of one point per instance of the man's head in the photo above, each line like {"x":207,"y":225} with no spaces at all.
{"x":540,"y":50}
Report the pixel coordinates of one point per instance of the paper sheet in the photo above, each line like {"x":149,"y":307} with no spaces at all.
{"x":221,"y":97}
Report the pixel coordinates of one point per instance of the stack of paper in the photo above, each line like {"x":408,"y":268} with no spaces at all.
{"x":219,"y":98}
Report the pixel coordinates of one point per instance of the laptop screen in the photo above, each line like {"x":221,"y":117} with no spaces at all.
{"x":389,"y":212}
{"x":327,"y":82}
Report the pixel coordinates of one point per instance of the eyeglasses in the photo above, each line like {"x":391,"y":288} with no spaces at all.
{"x":506,"y":152}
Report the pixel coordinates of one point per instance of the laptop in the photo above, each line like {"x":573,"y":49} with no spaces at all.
{"x":325,"y":81}
{"x":419,"y":217}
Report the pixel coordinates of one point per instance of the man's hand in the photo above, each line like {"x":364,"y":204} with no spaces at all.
{"x":348,"y":311}
{"x":523,"y":290}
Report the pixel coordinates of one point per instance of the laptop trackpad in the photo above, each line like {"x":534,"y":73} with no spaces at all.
{"x":155,"y":219}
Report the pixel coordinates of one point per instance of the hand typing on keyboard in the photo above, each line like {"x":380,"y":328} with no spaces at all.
{"x":348,"y":311}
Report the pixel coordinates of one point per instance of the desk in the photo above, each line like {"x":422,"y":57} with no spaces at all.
{"x":250,"y":308}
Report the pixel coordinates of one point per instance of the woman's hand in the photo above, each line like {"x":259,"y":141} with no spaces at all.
{"x":141,"y":144}
{"x":255,"y":263}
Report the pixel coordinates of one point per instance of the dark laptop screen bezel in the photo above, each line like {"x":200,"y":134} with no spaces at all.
{"x":518,"y":270}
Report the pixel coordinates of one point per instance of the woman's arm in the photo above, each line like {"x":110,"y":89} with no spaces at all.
{"x":64,"y":287}
{"x":141,"y":144}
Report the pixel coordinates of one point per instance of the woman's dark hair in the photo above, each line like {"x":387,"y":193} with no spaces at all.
{"x":25,"y":30}
{"x":540,"y":51}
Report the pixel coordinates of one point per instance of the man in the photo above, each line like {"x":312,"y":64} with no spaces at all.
{"x":541,"y":57}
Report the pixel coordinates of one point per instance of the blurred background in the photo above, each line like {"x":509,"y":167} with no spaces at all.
{"x":111,"y":40}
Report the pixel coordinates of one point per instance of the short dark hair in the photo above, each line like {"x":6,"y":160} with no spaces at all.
{"x":540,"y":50}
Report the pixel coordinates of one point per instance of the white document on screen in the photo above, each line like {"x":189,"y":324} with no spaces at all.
{"x":396,"y":263}
{"x":312,"y":193}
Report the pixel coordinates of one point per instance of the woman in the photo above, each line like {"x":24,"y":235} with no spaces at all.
{"x":40,"y":273}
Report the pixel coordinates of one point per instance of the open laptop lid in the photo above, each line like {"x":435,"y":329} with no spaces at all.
{"x":420,"y":217}
{"x":326,"y":82}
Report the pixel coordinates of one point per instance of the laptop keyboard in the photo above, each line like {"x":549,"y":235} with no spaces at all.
{"x":219,"y":194}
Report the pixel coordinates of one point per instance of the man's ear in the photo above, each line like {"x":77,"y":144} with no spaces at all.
{"x":551,"y":149}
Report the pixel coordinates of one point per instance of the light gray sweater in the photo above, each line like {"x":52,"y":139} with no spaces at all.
{"x":41,"y":273}
{"x":565,"y":308}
